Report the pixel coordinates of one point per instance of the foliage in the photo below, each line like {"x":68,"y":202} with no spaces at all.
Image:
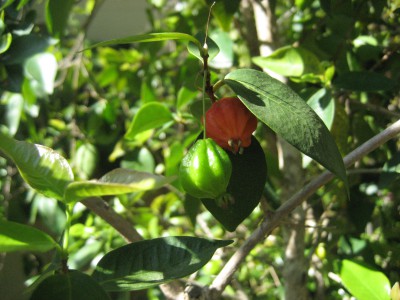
{"x":127,"y":110}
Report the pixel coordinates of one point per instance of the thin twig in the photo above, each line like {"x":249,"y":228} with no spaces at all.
{"x":268,"y":224}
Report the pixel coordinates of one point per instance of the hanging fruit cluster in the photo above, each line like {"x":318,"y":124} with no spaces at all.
{"x":226,"y":169}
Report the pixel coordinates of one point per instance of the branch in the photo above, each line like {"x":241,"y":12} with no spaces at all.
{"x":275,"y":219}
{"x":123,"y":226}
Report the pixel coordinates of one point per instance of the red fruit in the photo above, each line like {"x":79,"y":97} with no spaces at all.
{"x":230,"y":124}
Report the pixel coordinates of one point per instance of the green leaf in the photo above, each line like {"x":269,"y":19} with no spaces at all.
{"x":19,"y":237}
{"x":364,"y":282}
{"x":185,"y":95}
{"x":41,"y":167}
{"x":279,"y":107}
{"x":223,"y":11}
{"x":149,"y":116}
{"x":249,"y":174}
{"x":363,"y":81}
{"x":25,"y":46}
{"x":5,"y":42}
{"x":290,"y":61}
{"x":15,"y":106}
{"x":212,"y":47}
{"x":6,"y":3}
{"x":71,"y":286}
{"x":42,"y":68}
{"x":150,"y":37}
{"x":152,"y":262}
{"x":323,"y":104}
{"x":224,"y":58}
{"x":57,"y":13}
{"x":117,"y":182}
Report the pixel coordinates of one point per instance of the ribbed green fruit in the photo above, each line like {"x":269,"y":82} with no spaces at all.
{"x":205,"y":170}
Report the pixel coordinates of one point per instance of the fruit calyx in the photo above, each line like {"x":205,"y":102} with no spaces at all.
{"x":230,"y":124}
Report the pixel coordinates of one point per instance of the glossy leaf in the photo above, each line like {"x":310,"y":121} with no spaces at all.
{"x":42,"y":68}
{"x":150,"y":37}
{"x":117,"y":182}
{"x":41,"y":167}
{"x":20,"y":237}
{"x":323,"y":104}
{"x":57,"y":13}
{"x":364,"y":282}
{"x":249,"y":174}
{"x":15,"y":106}
{"x":5,"y":42}
{"x":279,"y":107}
{"x":149,"y":263}
{"x":212,"y":47}
{"x":72,"y":286}
{"x":290,"y":61}
{"x":149,"y":116}
{"x":363,"y":81}
{"x":224,"y":58}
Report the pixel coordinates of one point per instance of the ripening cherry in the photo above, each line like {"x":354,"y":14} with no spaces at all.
{"x":230,"y":124}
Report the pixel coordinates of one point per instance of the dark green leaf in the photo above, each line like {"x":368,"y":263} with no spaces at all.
{"x":150,"y":37}
{"x":363,"y":81}
{"x":279,"y":107}
{"x":152,"y":262}
{"x":117,"y":182}
{"x":223,"y":11}
{"x":57,"y":13}
{"x":364,"y":282}
{"x":249,"y":173}
{"x":290,"y":61}
{"x":149,"y":116}
{"x":212,"y":47}
{"x":19,"y":237}
{"x":41,"y":167}
{"x":25,"y":46}
{"x":72,"y":286}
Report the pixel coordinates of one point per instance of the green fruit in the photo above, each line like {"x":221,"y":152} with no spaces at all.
{"x":205,"y":170}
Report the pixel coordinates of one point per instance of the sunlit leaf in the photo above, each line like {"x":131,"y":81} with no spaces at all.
{"x":42,"y":68}
{"x":148,"y":263}
{"x":119,"y":181}
{"x":41,"y":167}
{"x":290,"y":61}
{"x":323,"y":104}
{"x":150,"y":37}
{"x":19,"y":237}
{"x":279,"y":107}
{"x":364,"y":282}
{"x":149,"y":116}
{"x":224,"y":58}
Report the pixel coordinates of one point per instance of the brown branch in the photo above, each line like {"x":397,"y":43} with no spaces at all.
{"x":123,"y":226}
{"x":274,"y":220}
